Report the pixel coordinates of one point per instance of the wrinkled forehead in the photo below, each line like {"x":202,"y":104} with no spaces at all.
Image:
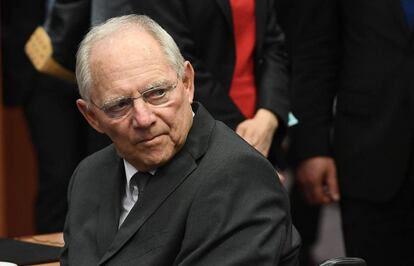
{"x":125,"y":45}
{"x":124,"y":56}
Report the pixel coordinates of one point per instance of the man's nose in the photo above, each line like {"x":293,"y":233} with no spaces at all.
{"x":142,"y":114}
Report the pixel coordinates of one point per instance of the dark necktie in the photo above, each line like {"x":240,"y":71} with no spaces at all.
{"x":137,"y":184}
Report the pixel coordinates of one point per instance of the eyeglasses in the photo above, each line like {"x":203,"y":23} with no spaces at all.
{"x":120,"y":107}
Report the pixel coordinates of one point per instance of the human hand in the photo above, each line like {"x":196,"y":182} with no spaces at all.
{"x":318,"y":181}
{"x":259,"y":130}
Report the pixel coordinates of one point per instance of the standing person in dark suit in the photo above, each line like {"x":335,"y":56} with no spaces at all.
{"x":177,"y":187}
{"x":305,"y":216}
{"x":352,"y":67}
{"x":58,"y":132}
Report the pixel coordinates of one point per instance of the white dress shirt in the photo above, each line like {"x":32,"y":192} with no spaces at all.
{"x":131,"y":192}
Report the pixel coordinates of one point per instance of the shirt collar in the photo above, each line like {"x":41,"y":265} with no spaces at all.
{"x":130,"y":170}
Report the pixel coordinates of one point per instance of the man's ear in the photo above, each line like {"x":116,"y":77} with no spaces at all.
{"x":188,"y":80}
{"x":89,"y":115}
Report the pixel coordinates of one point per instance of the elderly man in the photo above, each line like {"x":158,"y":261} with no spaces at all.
{"x":176,"y":187}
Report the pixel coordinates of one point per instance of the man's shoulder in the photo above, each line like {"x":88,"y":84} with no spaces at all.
{"x":232,"y":167}
{"x":229,"y":141}
{"x":91,"y":170}
{"x":218,"y":149}
{"x":100,"y":160}
{"x":229,"y":151}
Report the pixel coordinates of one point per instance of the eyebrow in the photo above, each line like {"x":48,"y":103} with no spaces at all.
{"x":154,"y":84}
{"x":149,"y":86}
{"x":115,"y":99}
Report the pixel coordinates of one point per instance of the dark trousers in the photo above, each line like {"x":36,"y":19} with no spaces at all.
{"x":381,"y":233}
{"x":61,"y":138}
{"x":306,"y":219}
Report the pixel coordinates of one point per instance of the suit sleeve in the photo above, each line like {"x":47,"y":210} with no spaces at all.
{"x":52,"y":48}
{"x":315,"y":64}
{"x":66,"y":232}
{"x":272,"y":68}
{"x":66,"y":24}
{"x":240,"y":217}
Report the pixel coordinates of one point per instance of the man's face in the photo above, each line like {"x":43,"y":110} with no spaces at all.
{"x":123,"y":65}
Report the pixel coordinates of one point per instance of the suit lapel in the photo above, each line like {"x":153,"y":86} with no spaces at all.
{"x":226,"y":9}
{"x":166,"y":180}
{"x":260,"y":13}
{"x":111,"y":188}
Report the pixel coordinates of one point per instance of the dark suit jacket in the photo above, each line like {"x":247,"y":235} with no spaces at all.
{"x":19,"y":18}
{"x":360,"y":52}
{"x":217,"y":202}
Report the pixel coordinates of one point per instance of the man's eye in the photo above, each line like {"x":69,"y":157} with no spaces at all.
{"x":118,"y":105}
{"x":155,"y":93}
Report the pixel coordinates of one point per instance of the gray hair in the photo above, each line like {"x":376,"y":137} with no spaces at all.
{"x":99,"y":32}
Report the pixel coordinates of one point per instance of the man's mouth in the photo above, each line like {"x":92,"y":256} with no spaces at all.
{"x":151,"y":140}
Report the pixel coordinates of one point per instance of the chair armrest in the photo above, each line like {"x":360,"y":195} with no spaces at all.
{"x":344,"y":261}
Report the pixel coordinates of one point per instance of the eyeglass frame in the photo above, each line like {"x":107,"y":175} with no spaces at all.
{"x":104,"y":108}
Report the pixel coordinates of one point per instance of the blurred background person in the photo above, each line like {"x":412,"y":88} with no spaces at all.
{"x":354,"y":98}
{"x":60,"y":136}
{"x":306,"y":217}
